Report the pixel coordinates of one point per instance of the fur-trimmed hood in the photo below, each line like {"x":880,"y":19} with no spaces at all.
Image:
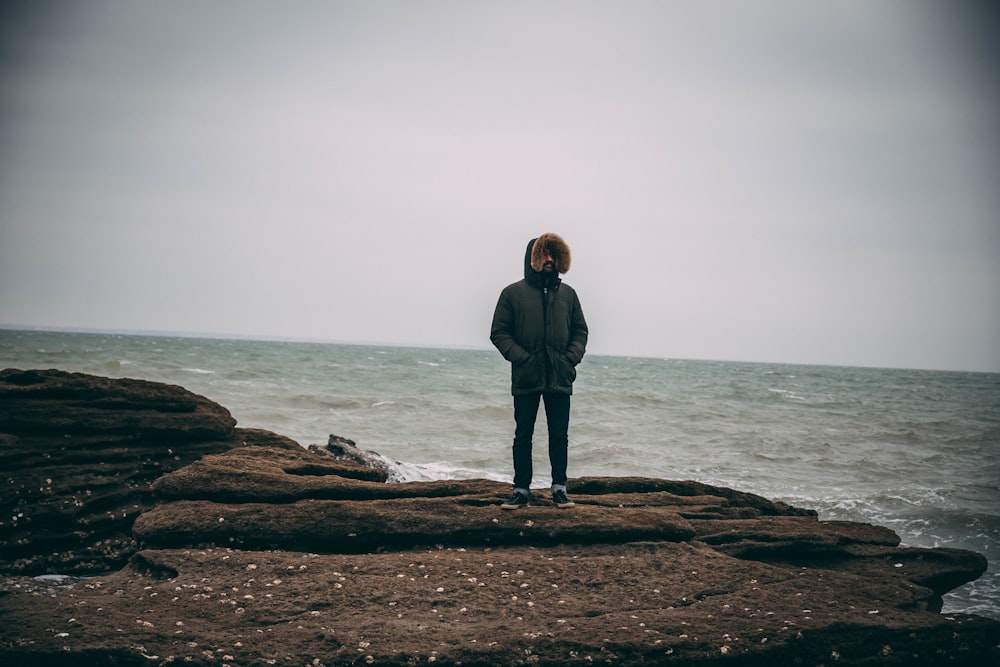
{"x":538,"y":324}
{"x":555,"y":245}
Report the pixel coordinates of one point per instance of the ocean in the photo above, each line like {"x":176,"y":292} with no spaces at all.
{"x":915,"y":451}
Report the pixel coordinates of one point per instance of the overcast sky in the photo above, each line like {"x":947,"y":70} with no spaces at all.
{"x":768,"y":181}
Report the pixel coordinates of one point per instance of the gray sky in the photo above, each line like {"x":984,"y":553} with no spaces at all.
{"x":768,"y":181}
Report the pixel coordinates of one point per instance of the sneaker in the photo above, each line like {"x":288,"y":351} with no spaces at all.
{"x":516,"y":501}
{"x":560,"y":499}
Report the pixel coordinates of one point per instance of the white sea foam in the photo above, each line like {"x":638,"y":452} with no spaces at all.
{"x":437,"y":470}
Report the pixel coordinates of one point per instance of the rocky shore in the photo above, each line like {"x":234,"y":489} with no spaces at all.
{"x":191,"y":541}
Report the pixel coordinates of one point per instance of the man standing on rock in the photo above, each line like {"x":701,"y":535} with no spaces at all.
{"x":538,"y":326}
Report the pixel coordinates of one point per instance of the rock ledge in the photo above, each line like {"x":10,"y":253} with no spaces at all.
{"x":219,"y":545}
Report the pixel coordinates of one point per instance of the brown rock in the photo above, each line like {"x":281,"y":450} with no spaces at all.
{"x":58,"y":403}
{"x":375,"y":525}
{"x":263,"y":553}
{"x":78,"y":455}
{"x":664,"y":603}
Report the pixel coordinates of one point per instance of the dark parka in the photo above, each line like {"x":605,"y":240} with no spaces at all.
{"x":538,"y":325}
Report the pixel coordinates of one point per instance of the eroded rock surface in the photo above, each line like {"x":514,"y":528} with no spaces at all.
{"x":78,"y":454}
{"x":255,"y":551}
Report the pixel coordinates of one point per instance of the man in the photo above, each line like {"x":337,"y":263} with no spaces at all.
{"x":538,"y":326}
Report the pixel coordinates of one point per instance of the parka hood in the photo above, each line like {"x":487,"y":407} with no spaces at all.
{"x":534,"y":256}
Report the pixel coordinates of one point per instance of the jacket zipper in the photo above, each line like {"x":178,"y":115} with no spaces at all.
{"x":545,"y":337}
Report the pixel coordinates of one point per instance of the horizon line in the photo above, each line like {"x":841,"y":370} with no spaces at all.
{"x":457,"y":347}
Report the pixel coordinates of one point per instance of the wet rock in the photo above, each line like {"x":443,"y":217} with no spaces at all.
{"x":257,"y":498}
{"x":248,"y":549}
{"x":57,"y":403}
{"x":78,"y":454}
{"x":364,"y":464}
{"x":635,"y":603}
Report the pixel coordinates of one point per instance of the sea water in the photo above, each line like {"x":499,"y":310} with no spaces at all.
{"x":915,"y":451}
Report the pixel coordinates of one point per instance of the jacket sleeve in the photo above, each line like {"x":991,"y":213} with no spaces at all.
{"x":578,"y":333}
{"x":501,"y":333}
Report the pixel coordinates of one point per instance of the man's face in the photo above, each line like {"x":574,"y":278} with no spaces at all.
{"x":549,"y":265}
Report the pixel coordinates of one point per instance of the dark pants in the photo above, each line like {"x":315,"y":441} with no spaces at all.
{"x":557,"y":418}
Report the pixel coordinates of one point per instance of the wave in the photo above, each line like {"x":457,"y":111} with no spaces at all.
{"x":325,"y":404}
{"x":439,"y":470}
{"x":488,"y":412}
{"x":788,"y":395}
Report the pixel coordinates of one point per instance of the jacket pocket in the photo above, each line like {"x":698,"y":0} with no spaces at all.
{"x":565,"y":370}
{"x":526,"y":374}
